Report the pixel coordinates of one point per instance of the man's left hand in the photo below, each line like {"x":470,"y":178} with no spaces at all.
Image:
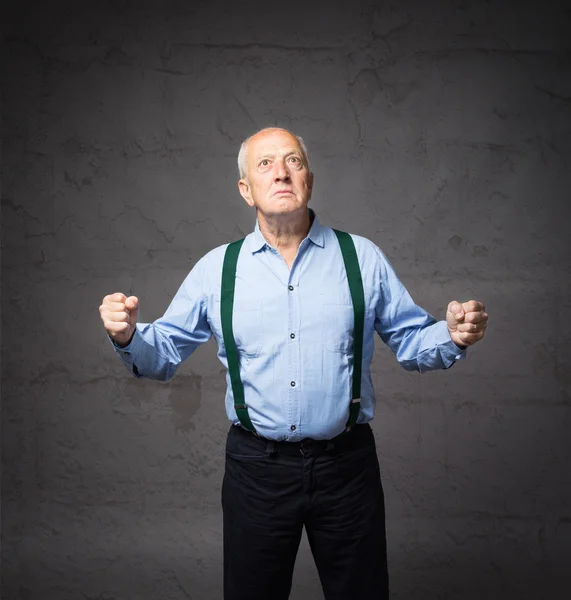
{"x":467,"y":322}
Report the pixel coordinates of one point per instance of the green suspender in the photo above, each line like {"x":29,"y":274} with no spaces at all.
{"x":226,"y":308}
{"x":358,"y":298}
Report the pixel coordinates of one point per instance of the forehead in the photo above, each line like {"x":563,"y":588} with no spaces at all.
{"x":271,"y":142}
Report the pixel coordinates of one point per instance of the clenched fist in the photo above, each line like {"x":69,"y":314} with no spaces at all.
{"x":119,"y":315}
{"x":466,"y":322}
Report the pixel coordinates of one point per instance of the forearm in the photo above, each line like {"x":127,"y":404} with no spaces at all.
{"x":420,"y":343}
{"x":143,"y":356}
{"x":425,"y":348}
{"x":157,"y":349}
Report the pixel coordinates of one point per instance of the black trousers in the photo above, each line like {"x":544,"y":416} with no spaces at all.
{"x":271,"y":490}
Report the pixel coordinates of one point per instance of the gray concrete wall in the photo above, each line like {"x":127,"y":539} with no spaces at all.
{"x":440,"y":130}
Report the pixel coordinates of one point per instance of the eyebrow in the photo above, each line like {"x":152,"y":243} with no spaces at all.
{"x":273,"y":154}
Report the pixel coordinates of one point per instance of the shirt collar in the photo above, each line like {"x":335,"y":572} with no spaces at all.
{"x":316,"y":235}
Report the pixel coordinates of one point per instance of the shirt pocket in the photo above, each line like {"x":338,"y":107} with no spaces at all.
{"x":247,"y":325}
{"x":337,"y":327}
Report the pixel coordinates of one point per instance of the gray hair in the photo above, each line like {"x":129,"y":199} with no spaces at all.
{"x":243,"y":154}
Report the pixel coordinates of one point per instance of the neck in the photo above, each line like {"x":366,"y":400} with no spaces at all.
{"x":285,"y":232}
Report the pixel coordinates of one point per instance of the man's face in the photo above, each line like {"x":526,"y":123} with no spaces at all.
{"x":279,"y":181}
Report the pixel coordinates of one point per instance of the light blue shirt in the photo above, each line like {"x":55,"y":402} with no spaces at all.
{"x":294,"y":332}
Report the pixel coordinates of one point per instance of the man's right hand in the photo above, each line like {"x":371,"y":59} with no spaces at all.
{"x":119,"y":315}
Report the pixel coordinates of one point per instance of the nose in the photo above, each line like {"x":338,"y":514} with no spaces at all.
{"x":281,"y":172}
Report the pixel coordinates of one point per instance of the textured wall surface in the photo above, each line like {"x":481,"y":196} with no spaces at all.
{"x":440,"y":130}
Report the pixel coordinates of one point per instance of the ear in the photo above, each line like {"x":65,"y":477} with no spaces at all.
{"x":245,"y":192}
{"x":310,"y":184}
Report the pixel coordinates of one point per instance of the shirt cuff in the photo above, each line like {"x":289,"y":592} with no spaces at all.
{"x":129,"y":353}
{"x":449,"y":351}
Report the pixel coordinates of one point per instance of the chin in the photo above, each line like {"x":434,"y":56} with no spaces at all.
{"x":281,"y":206}
{"x":285,"y":210}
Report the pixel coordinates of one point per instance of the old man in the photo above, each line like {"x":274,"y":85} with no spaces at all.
{"x":294,"y":307}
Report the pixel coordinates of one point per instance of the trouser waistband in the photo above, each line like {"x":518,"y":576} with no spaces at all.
{"x":358,"y":437}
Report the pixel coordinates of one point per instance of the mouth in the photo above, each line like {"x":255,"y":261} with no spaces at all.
{"x":282,"y":192}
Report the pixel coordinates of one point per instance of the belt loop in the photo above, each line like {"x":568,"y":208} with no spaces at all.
{"x":271,"y":448}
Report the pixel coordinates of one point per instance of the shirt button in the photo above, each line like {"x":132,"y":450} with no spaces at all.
{"x":292,"y":383}
{"x":290,"y":288}
{"x":292,"y":427}
{"x":292,"y":336}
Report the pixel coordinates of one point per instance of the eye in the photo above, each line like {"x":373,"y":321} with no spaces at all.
{"x":294,"y":159}
{"x":264,"y":163}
